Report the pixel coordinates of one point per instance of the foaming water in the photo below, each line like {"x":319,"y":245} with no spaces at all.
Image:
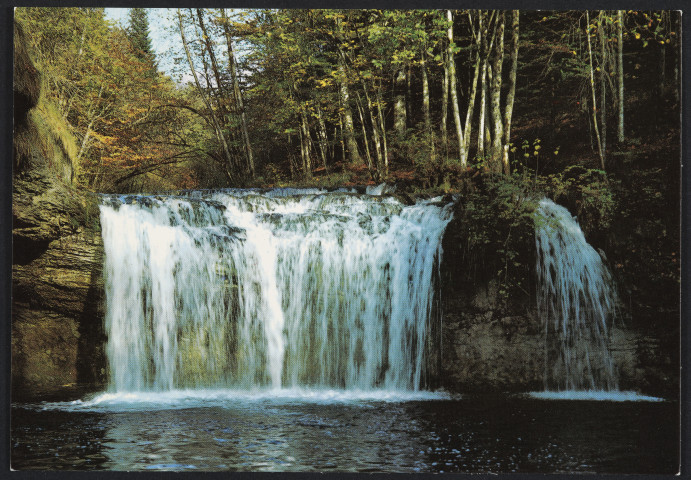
{"x":204,"y":398}
{"x":380,"y":189}
{"x":575,"y":300}
{"x":280,"y":289}
{"x":597,"y":395}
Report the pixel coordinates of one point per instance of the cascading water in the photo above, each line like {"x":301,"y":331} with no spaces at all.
{"x":281,"y":289}
{"x":576,"y":301}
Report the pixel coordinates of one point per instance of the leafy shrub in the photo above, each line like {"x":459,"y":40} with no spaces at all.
{"x":587,"y":193}
{"x":496,"y":230}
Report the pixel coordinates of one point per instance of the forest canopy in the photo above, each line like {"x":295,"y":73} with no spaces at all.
{"x":423,"y":97}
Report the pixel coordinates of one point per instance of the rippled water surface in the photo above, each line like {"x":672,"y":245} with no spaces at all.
{"x":346,"y":432}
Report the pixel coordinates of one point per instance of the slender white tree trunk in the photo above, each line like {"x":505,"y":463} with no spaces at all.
{"x":214,"y":121}
{"x":238,"y":95}
{"x":620,"y":73}
{"x":603,"y":80}
{"x":399,"y":113}
{"x":497,"y":67}
{"x":463,"y":157}
{"x":592,"y":89}
{"x":508,"y":109}
{"x":445,"y":110}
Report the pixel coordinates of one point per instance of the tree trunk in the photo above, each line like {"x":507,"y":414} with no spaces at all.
{"x":483,"y":110}
{"x":238,"y":94}
{"x":483,"y":28}
{"x":399,"y":113}
{"x":375,"y":131}
{"x":306,"y":141}
{"x":349,"y":128}
{"x":676,"y":28}
{"x":342,"y":138}
{"x":332,"y":145}
{"x":221,"y":96}
{"x":291,"y":162}
{"x":425,"y":92}
{"x":323,"y":138}
{"x":511,"y":95}
{"x":382,"y":129}
{"x":368,"y":155}
{"x":488,"y":118}
{"x":90,"y":115}
{"x":408,"y":94}
{"x":426,"y":102}
{"x":85,"y":142}
{"x":471,"y":105}
{"x":351,"y":144}
{"x":445,"y":110}
{"x":497,"y":67}
{"x":592,"y":89}
{"x":217,"y":128}
{"x":664,"y":20}
{"x":66,"y":104}
{"x":206,"y":39}
{"x":620,"y":74}
{"x":303,"y":156}
{"x":603,"y":80}
{"x":462,"y":156}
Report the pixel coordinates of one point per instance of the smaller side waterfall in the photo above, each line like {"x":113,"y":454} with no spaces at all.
{"x":576,"y":302}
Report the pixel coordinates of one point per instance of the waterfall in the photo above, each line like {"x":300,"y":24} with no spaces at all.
{"x":283,"y":288}
{"x":576,"y":301}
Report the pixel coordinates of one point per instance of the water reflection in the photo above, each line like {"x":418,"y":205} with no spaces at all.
{"x":488,"y":434}
{"x":43,"y":440}
{"x":266,"y":437}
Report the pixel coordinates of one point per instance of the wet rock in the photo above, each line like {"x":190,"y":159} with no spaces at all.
{"x":44,"y":349}
{"x":486,"y":297}
{"x":481,"y":357}
{"x":57,"y":285}
{"x":57,"y":288}
{"x":490,"y":345}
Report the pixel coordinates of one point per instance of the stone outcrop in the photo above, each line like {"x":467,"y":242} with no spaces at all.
{"x":492,"y":346}
{"x":57,"y":314}
{"x":57,"y":287}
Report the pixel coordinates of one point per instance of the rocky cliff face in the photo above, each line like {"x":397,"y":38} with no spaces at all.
{"x":57,"y":253}
{"x":489,"y":345}
{"x":57,"y":313}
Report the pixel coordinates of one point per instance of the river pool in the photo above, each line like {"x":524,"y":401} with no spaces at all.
{"x":344,"y":431}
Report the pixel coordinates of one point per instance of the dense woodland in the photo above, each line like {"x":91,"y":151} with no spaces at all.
{"x":417,"y":94}
{"x":580,"y":105}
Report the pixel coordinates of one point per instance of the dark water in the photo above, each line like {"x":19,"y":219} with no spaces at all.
{"x":475,"y":434}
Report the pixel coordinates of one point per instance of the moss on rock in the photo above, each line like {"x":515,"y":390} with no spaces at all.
{"x":57,"y":301}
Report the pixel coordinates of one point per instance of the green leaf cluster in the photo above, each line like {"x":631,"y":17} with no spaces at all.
{"x":499,"y":233}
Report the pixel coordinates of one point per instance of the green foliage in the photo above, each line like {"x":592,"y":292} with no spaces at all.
{"x":272,"y":174}
{"x":138,"y":33}
{"x":587,"y":192}
{"x":415,"y":146}
{"x":46,"y":141}
{"x":644,"y":248}
{"x":498,"y":233}
{"x":114,"y":116}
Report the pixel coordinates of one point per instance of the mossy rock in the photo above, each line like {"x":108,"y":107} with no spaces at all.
{"x":27,"y":79}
